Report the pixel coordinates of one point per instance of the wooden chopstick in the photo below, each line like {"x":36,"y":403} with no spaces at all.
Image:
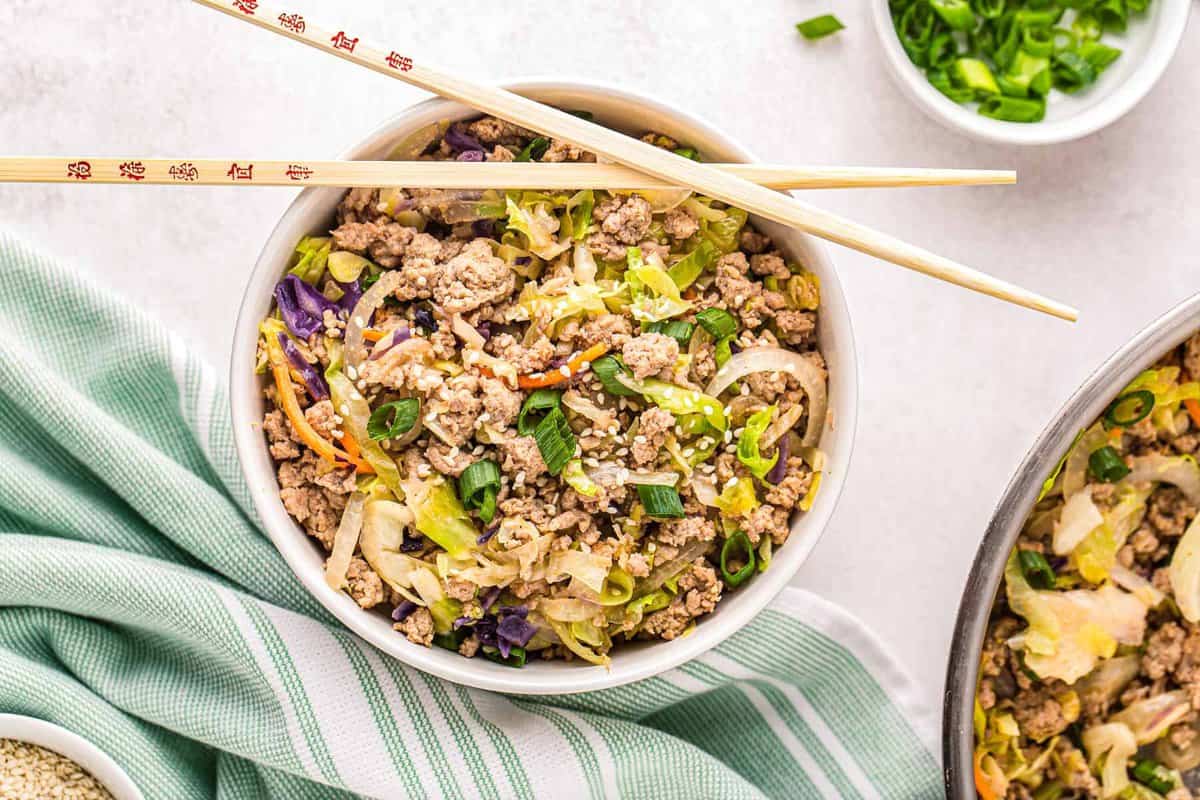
{"x":670,"y":168}
{"x":455,"y":175}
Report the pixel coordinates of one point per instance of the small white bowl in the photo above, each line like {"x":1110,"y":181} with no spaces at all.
{"x":313,"y":211}
{"x":75,"y":747}
{"x":1148,"y":46}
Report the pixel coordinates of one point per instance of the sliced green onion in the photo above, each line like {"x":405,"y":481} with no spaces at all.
{"x":661,"y":501}
{"x":1106,"y":465}
{"x":915,"y":28}
{"x":516,"y":656}
{"x":1036,"y":569}
{"x":655,"y":601}
{"x":1072,"y":71}
{"x":1121,"y":415}
{"x":723,"y":351}
{"x":688,"y":152}
{"x":534,"y":150}
{"x":452,"y":639}
{"x":1154,"y":776}
{"x":737,"y":545}
{"x":478,"y":486}
{"x":989,"y":9}
{"x":393,"y":419}
{"x":678,"y":330}
{"x":555,"y":440}
{"x":1037,"y":41}
{"x":819,"y":27}
{"x":1046,"y":17}
{"x":1027,"y":75}
{"x":1087,"y":26}
{"x":606,"y":369}
{"x":535,"y":409}
{"x":976,"y":76}
{"x":1013,"y":109}
{"x":943,"y":51}
{"x":1112,"y":15}
{"x":1099,"y":55}
{"x":940,"y":79}
{"x":617,"y":589}
{"x":955,"y":13}
{"x":718,"y":322}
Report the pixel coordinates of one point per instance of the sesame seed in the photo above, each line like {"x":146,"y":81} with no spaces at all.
{"x":336,"y":434}
{"x":584,"y":366}
{"x":485,"y":417}
{"x":732,"y":482}
{"x":351,"y":373}
{"x":565,"y":371}
{"x":360,"y":322}
{"x":639,"y":439}
{"x":345,"y":409}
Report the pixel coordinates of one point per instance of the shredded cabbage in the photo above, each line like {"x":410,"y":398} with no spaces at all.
{"x":1109,"y":747}
{"x":1181,"y":471}
{"x":1184,"y":572}
{"x":567,"y":637}
{"x":737,"y":500}
{"x":747,"y":447}
{"x":383,"y":526}
{"x":345,"y":541}
{"x":679,"y":400}
{"x":1070,"y":631}
{"x":533,"y":220}
{"x":686,"y":270}
{"x":1074,"y":476}
{"x":1097,"y":553}
{"x":655,"y":295}
{"x":1151,"y":718}
{"x":578,"y":480}
{"x":588,"y":568}
{"x":439,"y":514}
{"x":355,"y":412}
{"x":1079,"y":518}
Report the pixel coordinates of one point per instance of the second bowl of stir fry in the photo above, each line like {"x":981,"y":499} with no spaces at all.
{"x":533,"y":427}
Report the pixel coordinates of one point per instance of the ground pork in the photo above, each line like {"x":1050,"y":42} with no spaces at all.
{"x":612,"y":330}
{"x":770,"y":265}
{"x":455,"y":406}
{"x":649,"y":354}
{"x":1191,"y":357}
{"x":740,"y":293}
{"x":1164,"y":649}
{"x":418,"y":627}
{"x":754,"y":242}
{"x":322,"y":418}
{"x":501,"y":404}
{"x":384,"y":242}
{"x":460,"y":590}
{"x":630,"y":221}
{"x":680,"y":224}
{"x":795,"y":483}
{"x":364,"y":585}
{"x":606,"y":247}
{"x":699,"y":592}
{"x":653,"y":427}
{"x":534,"y":358}
{"x":1169,"y":512}
{"x":281,"y":439}
{"x":490,"y":130}
{"x":678,"y":532}
{"x":358,"y":204}
{"x":521,"y":454}
{"x":469,"y":647}
{"x":1038,"y":712}
{"x":560,"y":150}
{"x":767,"y":520}
{"x":501,"y":153}
{"x":448,"y":460}
{"x":796,"y":328}
{"x":472,"y":278}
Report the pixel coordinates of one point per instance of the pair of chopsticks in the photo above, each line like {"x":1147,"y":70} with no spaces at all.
{"x":728,"y":185}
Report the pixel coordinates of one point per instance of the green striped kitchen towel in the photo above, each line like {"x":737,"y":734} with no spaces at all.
{"x":141,"y":606}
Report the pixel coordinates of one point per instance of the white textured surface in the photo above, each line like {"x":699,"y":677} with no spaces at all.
{"x":955,"y":386}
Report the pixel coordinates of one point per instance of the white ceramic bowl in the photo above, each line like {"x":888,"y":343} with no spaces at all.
{"x":1148,"y":45}
{"x":80,"y":750}
{"x":314,"y":211}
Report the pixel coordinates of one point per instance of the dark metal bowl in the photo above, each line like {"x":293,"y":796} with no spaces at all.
{"x":1085,"y":406}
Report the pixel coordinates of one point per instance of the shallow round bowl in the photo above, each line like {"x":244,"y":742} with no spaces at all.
{"x":1148,"y":46}
{"x":314,"y":211}
{"x":81,"y":751}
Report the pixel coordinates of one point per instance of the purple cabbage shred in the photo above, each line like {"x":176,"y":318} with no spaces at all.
{"x":461,"y":142}
{"x":470,"y":155}
{"x":489,"y":533}
{"x":424,"y":319}
{"x":779,"y":471}
{"x":313,"y":380}
{"x":403,"y":610}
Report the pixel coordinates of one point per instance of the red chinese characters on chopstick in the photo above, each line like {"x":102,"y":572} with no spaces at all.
{"x":133,"y":170}
{"x":239,"y":173}
{"x":184,"y":172}
{"x":397,"y":61}
{"x":343,"y":42}
{"x":79,"y":170}
{"x":247,"y":7}
{"x":292,"y":22}
{"x":298,"y":172}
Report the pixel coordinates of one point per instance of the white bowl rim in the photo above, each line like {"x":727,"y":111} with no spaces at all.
{"x":1121,"y":100}
{"x":73,"y":746}
{"x":570,"y":678}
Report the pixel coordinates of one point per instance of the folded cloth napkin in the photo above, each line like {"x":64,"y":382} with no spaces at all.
{"x":142,"y":607}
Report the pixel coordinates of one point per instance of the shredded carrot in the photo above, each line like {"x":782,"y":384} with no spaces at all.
{"x":1115,"y":434}
{"x":350,"y":446}
{"x":373,"y":334}
{"x":1193,"y":409}
{"x":982,"y":784}
{"x":573,"y":367}
{"x":317,"y":443}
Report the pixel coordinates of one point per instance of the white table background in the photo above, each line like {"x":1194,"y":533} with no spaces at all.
{"x":954,"y":386}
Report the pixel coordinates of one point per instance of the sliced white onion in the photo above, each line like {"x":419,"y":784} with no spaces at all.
{"x":1175,"y":758}
{"x":344,"y":542}
{"x":664,"y":572}
{"x":589,"y":568}
{"x":1180,"y":471}
{"x":1117,"y":741}
{"x":1079,"y":518}
{"x":467,"y":332}
{"x":585,"y":265}
{"x":360,"y":317}
{"x":568,"y":609}
{"x":1106,"y":682}
{"x":705,"y":490}
{"x":1150,"y":718}
{"x":777,"y":359}
{"x":610,"y":474}
{"x":602,"y":418}
{"x":662,"y":200}
{"x":1136,"y":585}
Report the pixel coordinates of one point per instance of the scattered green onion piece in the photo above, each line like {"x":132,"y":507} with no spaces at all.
{"x":555,"y":440}
{"x":723,"y":350}
{"x":1087,"y":26}
{"x":1038,"y":17}
{"x":1008,"y":42}
{"x":688,"y":152}
{"x":975,"y":75}
{"x":678,"y":330}
{"x":1072,"y":71}
{"x":819,"y":27}
{"x":452,"y":639}
{"x":989,"y":9}
{"x":955,"y":13}
{"x":534,"y":150}
{"x":1112,"y":14}
{"x":1013,"y":109}
{"x":606,"y":369}
{"x":718,"y":322}
{"x":393,"y":419}
{"x":655,"y":601}
{"x":940,"y":79}
{"x":1106,"y":465}
{"x":1027,"y":74}
{"x":1037,"y":41}
{"x":536,"y":407}
{"x":1036,"y":569}
{"x":1154,"y":776}
{"x":478,"y":486}
{"x":1137,"y":6}
{"x":915,"y":28}
{"x":943,"y":51}
{"x":747,"y":447}
{"x":516,"y":657}
{"x":661,"y":502}
{"x":1119,"y":415}
{"x":737,"y":545}
{"x":1100,"y":56}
